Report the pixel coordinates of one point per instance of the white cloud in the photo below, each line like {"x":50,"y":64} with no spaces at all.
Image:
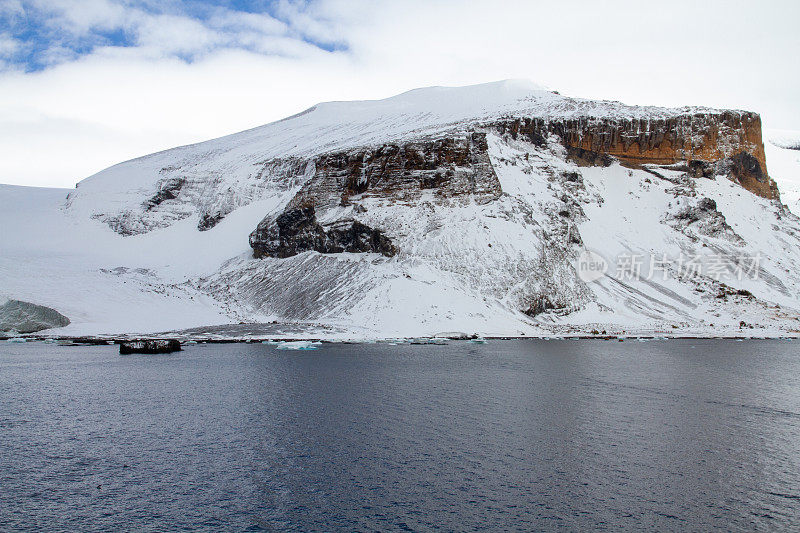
{"x":8,"y":45}
{"x":238,"y":21}
{"x":78,"y":116}
{"x":314,"y":20}
{"x":11,"y":8}
{"x":171,"y":34}
{"x":80,"y":16}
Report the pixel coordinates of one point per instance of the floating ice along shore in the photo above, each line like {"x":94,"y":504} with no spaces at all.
{"x":297,"y":345}
{"x":440,"y":209}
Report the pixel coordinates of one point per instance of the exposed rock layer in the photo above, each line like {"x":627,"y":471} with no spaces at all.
{"x":297,"y":230}
{"x":704,"y":144}
{"x":446,"y":167}
{"x":733,"y":136}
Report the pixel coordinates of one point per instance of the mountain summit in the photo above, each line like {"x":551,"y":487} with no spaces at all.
{"x":501,"y":208}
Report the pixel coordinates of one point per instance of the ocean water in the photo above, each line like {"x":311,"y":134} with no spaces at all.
{"x":512,"y":435}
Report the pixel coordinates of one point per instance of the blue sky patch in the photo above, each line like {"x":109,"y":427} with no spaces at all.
{"x":34,"y":36}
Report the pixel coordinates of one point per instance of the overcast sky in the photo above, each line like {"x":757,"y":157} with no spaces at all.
{"x":85,"y":84}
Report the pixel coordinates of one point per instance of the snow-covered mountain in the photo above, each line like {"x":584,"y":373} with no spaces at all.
{"x":501,"y":208}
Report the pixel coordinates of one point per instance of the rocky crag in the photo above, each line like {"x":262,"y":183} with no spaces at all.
{"x":702,"y":145}
{"x":458,"y":205}
{"x":729,"y":140}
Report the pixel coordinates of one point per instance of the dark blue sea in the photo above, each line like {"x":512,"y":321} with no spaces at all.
{"x":570,"y":435}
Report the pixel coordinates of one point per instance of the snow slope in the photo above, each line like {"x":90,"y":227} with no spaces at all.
{"x":223,"y":174}
{"x":783,"y":162}
{"x":465,"y":262}
{"x":101,"y":281}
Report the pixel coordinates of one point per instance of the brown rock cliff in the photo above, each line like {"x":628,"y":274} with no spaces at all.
{"x":732,"y":138}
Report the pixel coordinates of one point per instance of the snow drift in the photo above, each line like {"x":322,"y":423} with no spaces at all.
{"x":25,"y":317}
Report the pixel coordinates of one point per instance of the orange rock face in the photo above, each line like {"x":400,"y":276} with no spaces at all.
{"x":732,"y":136}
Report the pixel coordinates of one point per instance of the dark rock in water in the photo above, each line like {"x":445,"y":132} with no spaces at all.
{"x":149,"y":346}
{"x":25,"y":317}
{"x":297,"y":230}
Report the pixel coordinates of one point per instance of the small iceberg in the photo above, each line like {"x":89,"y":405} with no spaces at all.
{"x":429,"y":340}
{"x":452,"y":335}
{"x":17,"y":339}
{"x":298,"y":345}
{"x":477,"y":340}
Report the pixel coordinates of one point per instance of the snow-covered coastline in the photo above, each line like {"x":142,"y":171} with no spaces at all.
{"x":465,"y":263}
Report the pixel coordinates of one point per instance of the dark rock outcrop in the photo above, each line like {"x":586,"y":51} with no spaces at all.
{"x":706,"y":219}
{"x":447,"y":167}
{"x":297,"y":230}
{"x":454,"y":166}
{"x":149,"y":346}
{"x":742,"y":167}
{"x":168,"y":189}
{"x":705,"y":207}
{"x":540,"y":304}
{"x":588,"y":158}
{"x":749,"y":172}
{"x":209,"y":220}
